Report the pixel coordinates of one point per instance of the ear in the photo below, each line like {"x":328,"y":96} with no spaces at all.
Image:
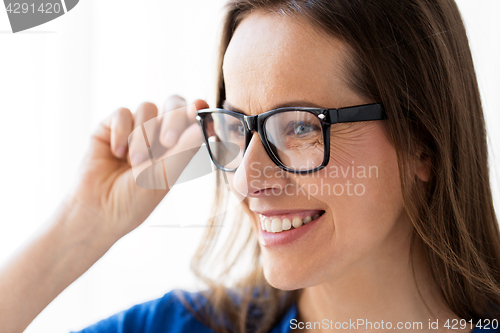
{"x":423,"y":167}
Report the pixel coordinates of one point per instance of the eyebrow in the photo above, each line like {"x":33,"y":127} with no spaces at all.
{"x":227,"y":106}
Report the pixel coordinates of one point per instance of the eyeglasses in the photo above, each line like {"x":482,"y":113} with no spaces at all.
{"x":297,"y":139}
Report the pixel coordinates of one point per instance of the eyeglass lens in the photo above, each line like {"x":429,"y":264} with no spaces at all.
{"x":294,"y":137}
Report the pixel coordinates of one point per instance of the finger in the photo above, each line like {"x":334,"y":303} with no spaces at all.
{"x":179,"y":156}
{"x":174,"y":120}
{"x":101,"y":139}
{"x":173,"y":102}
{"x":164,"y":171}
{"x":102,"y":131}
{"x":177,"y":118}
{"x":191,"y":138}
{"x":192,"y":112}
{"x":145,"y":112}
{"x":121,"y":126}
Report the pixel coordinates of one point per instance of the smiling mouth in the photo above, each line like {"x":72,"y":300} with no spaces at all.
{"x":285,"y":222}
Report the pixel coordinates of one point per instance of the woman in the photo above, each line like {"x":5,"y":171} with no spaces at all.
{"x":383,"y":86}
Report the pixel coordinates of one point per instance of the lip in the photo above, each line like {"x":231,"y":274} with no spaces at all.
{"x":298,"y":212}
{"x":269,"y":239}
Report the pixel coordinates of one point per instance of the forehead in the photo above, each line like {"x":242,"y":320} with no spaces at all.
{"x":274,"y":59}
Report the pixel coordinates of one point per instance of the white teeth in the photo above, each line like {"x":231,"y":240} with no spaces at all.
{"x":276,"y":225}
{"x":268,"y":225}
{"x":297,"y":222}
{"x":287,"y":224}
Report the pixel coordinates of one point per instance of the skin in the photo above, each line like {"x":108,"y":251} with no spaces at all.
{"x":354,"y":264}
{"x":103,"y":205}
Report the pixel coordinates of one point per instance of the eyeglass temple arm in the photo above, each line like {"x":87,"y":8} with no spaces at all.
{"x":356,"y":113}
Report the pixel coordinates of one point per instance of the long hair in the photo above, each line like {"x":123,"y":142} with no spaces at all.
{"x":414,"y":57}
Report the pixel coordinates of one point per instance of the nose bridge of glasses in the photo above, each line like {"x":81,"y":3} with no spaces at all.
{"x":251,"y":123}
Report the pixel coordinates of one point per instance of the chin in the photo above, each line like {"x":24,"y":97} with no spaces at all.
{"x":286,"y":277}
{"x":283,"y":283}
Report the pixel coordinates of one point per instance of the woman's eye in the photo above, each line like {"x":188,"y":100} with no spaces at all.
{"x":237,"y":129}
{"x":303,"y":128}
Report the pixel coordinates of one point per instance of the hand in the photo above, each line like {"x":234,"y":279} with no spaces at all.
{"x":106,"y":185}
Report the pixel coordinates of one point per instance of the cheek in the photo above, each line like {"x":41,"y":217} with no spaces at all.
{"x":361,"y":188}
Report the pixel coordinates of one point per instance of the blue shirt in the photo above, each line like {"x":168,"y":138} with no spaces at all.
{"x":168,"y":314}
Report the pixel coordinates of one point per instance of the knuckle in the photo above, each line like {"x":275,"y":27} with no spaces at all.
{"x":174,"y":102}
{"x":121,"y":111}
{"x":175,"y":98}
{"x":147,"y":106}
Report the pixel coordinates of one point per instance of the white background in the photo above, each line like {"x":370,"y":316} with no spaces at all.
{"x":58,"y":80}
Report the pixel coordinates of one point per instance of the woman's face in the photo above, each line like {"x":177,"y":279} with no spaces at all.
{"x":274,"y":61}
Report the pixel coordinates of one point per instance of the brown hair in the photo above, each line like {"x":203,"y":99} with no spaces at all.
{"x":414,"y":57}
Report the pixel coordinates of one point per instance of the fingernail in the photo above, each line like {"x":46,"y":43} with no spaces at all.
{"x":170,"y":138}
{"x":120,"y":151}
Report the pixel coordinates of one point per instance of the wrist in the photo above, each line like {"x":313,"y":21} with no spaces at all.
{"x":83,"y":225}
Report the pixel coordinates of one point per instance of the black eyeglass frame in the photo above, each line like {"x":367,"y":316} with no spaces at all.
{"x":326,"y":117}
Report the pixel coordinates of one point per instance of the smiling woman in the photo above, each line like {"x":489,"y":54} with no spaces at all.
{"x":307,"y":88}
{"x":422,"y":242}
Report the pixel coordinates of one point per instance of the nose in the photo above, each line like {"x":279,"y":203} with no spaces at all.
{"x":258,"y":175}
